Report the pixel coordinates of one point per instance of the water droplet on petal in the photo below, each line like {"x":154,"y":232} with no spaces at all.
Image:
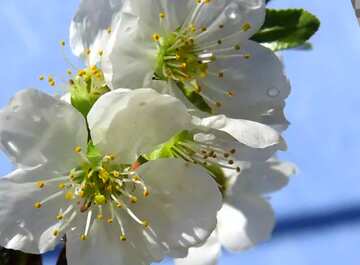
{"x":232,"y":11}
{"x":36,"y":118}
{"x":273,"y":92}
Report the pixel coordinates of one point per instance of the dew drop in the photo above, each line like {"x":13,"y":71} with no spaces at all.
{"x":232,"y":11}
{"x":36,"y":118}
{"x":273,"y":92}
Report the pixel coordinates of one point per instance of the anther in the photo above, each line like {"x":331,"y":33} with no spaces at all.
{"x":123,"y":238}
{"x":162,"y":15}
{"x":156,"y":37}
{"x":83,"y":237}
{"x":246,"y":27}
{"x":77,"y":149}
{"x":37,"y":205}
{"x":69,"y":196}
{"x":59,"y":217}
{"x":56,"y":233}
{"x":40,"y":184}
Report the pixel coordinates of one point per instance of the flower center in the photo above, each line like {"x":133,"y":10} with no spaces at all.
{"x":178,"y":58}
{"x":98,"y":186}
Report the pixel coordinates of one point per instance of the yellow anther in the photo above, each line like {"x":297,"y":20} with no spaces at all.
{"x":69,"y":196}
{"x":62,"y":43}
{"x":104,"y":175}
{"x":246,"y":27}
{"x":119,"y":205}
{"x":136,"y":178}
{"x":183,"y":65}
{"x":77,"y":149}
{"x":156,"y":37}
{"x":56,"y":232}
{"x":101,"y":53}
{"x":40,"y":184}
{"x":146,"y":224}
{"x":247,"y":56}
{"x":87,"y":51}
{"x":162,"y":15}
{"x":110,"y":221}
{"x":231,"y":93}
{"x":100,"y":199}
{"x":123,"y":238}
{"x":37,"y":205}
{"x":133,"y":199}
{"x":108,"y":158}
{"x":237,"y":47}
{"x":100,"y":217}
{"x":83,"y":237}
{"x":81,"y":73}
{"x":61,"y":186}
{"x":198,"y":1}
{"x":109,"y":30}
{"x":82,"y":194}
{"x":146,"y":193}
{"x":177,"y":57}
{"x":203,"y":29}
{"x":69,"y":72}
{"x":207,"y":1}
{"x":41,"y":77}
{"x":116,"y":173}
{"x":59,"y":217}
{"x":193,"y":28}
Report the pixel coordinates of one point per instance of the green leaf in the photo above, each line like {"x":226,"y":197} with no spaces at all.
{"x":287,"y":28}
{"x":194,"y":97}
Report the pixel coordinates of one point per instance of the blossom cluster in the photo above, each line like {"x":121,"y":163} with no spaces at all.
{"x":163,"y":145}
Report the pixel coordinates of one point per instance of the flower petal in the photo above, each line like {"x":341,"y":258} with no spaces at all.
{"x":36,"y":128}
{"x":90,"y":26}
{"x":248,"y":88}
{"x":182,"y":205}
{"x":104,"y":246}
{"x":178,"y":218}
{"x":207,"y":254}
{"x":129,"y":123}
{"x":229,"y":19}
{"x":175,"y":12}
{"x":245,"y":222}
{"x":252,"y":134}
{"x":263,"y":177}
{"x":131,"y":56}
{"x":22,"y":227}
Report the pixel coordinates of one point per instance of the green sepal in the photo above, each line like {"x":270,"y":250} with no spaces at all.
{"x":166,"y":150}
{"x":287,"y":28}
{"x":194,"y":97}
{"x":82,"y":96}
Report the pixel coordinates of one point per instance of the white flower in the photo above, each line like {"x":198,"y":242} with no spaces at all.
{"x":112,"y":211}
{"x":356,"y":4}
{"x":203,"y":45}
{"x":216,"y":142}
{"x":246,"y":218}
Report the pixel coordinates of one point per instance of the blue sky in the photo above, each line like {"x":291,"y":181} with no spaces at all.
{"x":319,"y":219}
